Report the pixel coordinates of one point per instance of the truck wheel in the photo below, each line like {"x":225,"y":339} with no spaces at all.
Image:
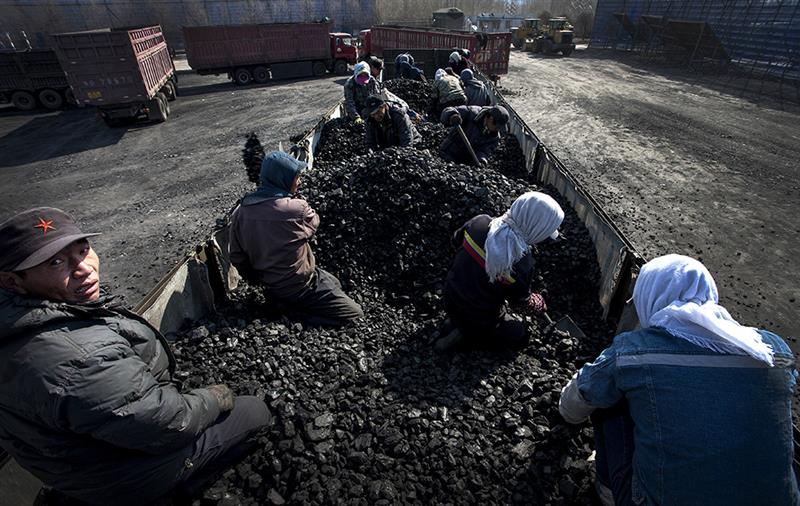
{"x":547,"y":46}
{"x":51,"y":99}
{"x":319,"y":69}
{"x":566,"y":51}
{"x":242,"y":76}
{"x":340,"y":68}
{"x":161,"y":96}
{"x":170,"y":91}
{"x":261,"y":74}
{"x":159,"y":109}
{"x":23,"y":101}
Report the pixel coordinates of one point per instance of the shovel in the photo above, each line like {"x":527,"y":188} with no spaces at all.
{"x":467,"y":144}
{"x":564,"y":324}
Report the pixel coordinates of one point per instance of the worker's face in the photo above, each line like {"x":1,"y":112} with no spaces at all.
{"x":489,"y":123}
{"x":71,"y":275}
{"x":295,"y":185}
{"x":375,"y":71}
{"x":380,"y":113}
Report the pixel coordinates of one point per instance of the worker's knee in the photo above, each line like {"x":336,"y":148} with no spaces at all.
{"x":253,"y":413}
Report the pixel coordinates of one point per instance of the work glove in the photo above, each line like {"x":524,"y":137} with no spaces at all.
{"x":224,"y":396}
{"x":536,"y":303}
{"x":359,"y":121}
{"x":455,"y":119}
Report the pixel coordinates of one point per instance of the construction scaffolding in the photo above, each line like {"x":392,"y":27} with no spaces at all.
{"x":750,"y":42}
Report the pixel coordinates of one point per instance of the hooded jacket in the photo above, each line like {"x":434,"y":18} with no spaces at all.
{"x":395,"y":130}
{"x":87,"y":402}
{"x":355,"y":95}
{"x":483,"y":141}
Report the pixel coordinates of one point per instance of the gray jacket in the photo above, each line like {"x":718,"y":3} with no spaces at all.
{"x":355,"y":95}
{"x":87,"y":402}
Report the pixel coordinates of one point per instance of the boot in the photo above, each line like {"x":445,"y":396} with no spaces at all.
{"x":449,"y":341}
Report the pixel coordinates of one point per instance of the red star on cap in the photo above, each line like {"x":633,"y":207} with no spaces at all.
{"x":45,"y":225}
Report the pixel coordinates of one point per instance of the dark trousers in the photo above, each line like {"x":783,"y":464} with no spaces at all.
{"x":224,"y":444}
{"x":613,"y":435}
{"x":324,"y":304}
{"x":481,"y":330}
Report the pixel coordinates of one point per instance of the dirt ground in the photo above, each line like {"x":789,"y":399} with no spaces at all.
{"x":154,"y":191}
{"x":682,"y":165}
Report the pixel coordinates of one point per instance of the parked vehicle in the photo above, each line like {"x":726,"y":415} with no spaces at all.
{"x":32,"y":77}
{"x":125,"y":73}
{"x":554,"y":36}
{"x":490,"y":51}
{"x":265,"y":51}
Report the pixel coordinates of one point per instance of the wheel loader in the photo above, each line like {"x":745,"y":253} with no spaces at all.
{"x":525,"y":33}
{"x":553,"y":37}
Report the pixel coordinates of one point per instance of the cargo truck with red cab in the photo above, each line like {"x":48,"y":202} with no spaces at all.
{"x":125,"y":73}
{"x":260,"y":52}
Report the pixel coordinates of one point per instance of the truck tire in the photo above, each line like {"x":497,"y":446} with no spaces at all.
{"x":566,"y":51}
{"x":242,"y":76}
{"x":537,"y":46}
{"x":170,"y":91}
{"x":261,"y":74}
{"x":319,"y":68}
{"x":23,"y":100}
{"x":159,"y":109}
{"x":51,"y":99}
{"x":340,"y":68}
{"x":547,"y":46}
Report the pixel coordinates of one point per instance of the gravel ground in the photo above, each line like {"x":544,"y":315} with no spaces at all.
{"x":154,"y":191}
{"x":682,"y":165}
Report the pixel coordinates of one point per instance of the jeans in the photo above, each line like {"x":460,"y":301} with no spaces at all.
{"x":324,"y":304}
{"x":613,"y":434}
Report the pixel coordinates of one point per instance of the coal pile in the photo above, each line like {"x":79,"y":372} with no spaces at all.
{"x":252,"y":156}
{"x":369,"y":414}
{"x":342,"y":139}
{"x":417,"y":95}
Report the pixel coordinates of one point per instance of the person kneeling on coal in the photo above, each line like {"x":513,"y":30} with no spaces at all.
{"x":388,"y":125}
{"x":691,"y":408}
{"x":482,"y":127}
{"x":88,"y":403}
{"x":269,"y":244}
{"x":494,"y":265}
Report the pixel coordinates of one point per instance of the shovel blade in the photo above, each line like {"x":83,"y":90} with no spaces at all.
{"x":568,"y":325}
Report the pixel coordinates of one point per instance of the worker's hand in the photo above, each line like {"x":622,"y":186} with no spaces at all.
{"x":455,"y":119}
{"x":536,"y":303}
{"x":224,"y":396}
{"x":484,"y":162}
{"x":359,"y":121}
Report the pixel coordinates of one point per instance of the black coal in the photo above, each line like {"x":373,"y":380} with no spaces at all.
{"x":417,"y":95}
{"x":370,"y":414}
{"x":252,"y":156}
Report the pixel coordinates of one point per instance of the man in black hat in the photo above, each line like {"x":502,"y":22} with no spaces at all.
{"x":388,"y":124}
{"x":87,"y":399}
{"x":375,"y":67}
{"x":482,"y":126}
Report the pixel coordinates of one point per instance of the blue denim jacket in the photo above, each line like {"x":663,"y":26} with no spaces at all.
{"x":710,"y":428}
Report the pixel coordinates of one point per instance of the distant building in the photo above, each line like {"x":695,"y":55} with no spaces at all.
{"x":450,"y":18}
{"x":497,"y":22}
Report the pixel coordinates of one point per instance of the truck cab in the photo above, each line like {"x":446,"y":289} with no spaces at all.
{"x":343,"y":51}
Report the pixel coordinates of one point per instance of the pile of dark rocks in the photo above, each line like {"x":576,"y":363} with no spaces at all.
{"x":369,"y":414}
{"x":417,"y":95}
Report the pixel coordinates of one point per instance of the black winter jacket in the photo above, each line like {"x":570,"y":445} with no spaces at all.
{"x":483,"y":142}
{"x":395,"y":130}
{"x":87,"y":402}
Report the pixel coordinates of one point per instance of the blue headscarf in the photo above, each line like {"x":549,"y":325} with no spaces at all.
{"x":278,"y":172}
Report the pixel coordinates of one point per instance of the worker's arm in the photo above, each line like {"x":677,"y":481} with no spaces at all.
{"x":485,"y":147}
{"x":238,"y":255}
{"x":349,"y":100}
{"x":111,"y":396}
{"x":405,"y":129}
{"x":310,"y":220}
{"x":594,"y":386}
{"x":518,"y":292}
{"x":449,"y":114}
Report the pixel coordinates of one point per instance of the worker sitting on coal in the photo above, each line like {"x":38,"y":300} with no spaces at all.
{"x":474,"y":89}
{"x":692,"y":407}
{"x":404,"y":68}
{"x":447,"y":92}
{"x":375,"y":67}
{"x":458,"y":61}
{"x":88,"y":400}
{"x":481,"y":126}
{"x":269,"y":245}
{"x":494,"y":265}
{"x":388,"y":124}
{"x":357,"y":89}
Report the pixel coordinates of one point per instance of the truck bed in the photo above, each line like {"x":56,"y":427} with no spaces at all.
{"x":31,"y":69}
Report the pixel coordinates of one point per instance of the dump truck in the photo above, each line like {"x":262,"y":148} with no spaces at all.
{"x":125,"y":73}
{"x":261,"y":52}
{"x":31,"y":77}
{"x":490,"y":51}
{"x":554,"y":36}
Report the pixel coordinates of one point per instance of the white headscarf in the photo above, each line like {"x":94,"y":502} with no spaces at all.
{"x":439,"y":74}
{"x":454,"y":57}
{"x":678,"y":294}
{"x":533,"y":217}
{"x":360,"y":68}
